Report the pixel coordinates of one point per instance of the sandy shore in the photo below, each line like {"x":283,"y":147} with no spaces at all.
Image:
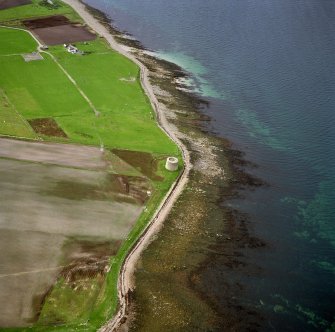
{"x":125,"y":282}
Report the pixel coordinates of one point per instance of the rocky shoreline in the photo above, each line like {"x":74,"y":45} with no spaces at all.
{"x":216,"y":176}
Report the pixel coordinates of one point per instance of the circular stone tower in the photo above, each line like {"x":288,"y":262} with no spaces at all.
{"x":171,"y":164}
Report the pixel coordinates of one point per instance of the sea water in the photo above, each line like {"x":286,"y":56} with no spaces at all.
{"x":268,"y":70}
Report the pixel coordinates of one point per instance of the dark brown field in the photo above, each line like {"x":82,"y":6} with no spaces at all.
{"x":4,"y":4}
{"x":46,"y":22}
{"x":54,"y":30}
{"x":63,"y":34}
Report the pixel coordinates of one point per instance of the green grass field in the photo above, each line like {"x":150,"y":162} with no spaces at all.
{"x":36,"y":10}
{"x":40,"y":89}
{"x":15,"y":42}
{"x":11,"y":123}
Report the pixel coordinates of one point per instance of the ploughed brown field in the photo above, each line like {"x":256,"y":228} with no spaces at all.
{"x":4,"y":4}
{"x":47,"y":22}
{"x":54,"y":30}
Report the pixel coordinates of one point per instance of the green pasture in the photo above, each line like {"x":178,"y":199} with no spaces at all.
{"x":16,"y":42}
{"x":11,"y":123}
{"x":126,"y":118}
{"x":40,"y":89}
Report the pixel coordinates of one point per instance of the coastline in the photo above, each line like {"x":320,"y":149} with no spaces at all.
{"x":177,"y":217}
{"x":125,"y":280}
{"x":169,"y":273}
{"x":205,"y":185}
{"x":164,"y":278}
{"x":222,"y":256}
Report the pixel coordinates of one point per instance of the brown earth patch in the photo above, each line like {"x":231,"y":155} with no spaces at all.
{"x":135,"y":186}
{"x":4,"y":4}
{"x":87,"y":259}
{"x":47,"y":126}
{"x":58,"y":29}
{"x":119,"y":188}
{"x":142,"y":161}
{"x":46,"y":22}
{"x":63,"y":34}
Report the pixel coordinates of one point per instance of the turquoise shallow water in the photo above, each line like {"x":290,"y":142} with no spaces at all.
{"x":268,"y":70}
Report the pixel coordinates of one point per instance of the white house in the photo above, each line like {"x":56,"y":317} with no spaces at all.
{"x":71,"y":49}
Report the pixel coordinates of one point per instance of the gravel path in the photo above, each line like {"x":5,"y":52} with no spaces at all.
{"x":125,"y":282}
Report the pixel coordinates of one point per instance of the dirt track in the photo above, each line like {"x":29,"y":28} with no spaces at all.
{"x":125,"y":283}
